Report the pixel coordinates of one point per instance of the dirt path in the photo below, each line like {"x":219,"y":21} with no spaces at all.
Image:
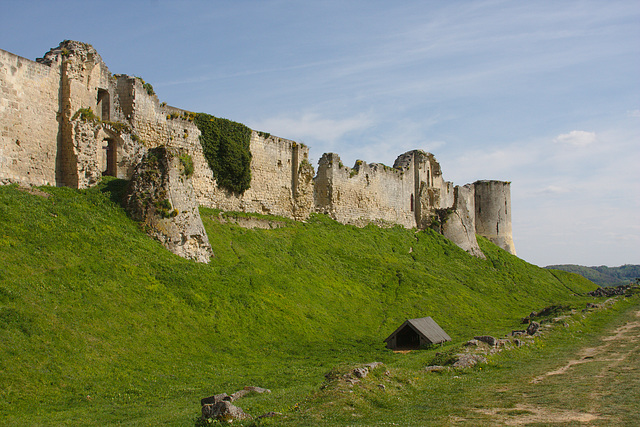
{"x":600,"y":386}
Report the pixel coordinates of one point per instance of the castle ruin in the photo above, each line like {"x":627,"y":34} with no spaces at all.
{"x":65,"y":120}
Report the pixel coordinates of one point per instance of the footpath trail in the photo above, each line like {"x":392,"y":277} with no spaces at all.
{"x":597,"y":385}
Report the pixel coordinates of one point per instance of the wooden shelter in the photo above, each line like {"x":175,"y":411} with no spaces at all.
{"x":416,"y":333}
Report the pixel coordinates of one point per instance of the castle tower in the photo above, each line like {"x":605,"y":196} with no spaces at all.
{"x":493,"y":212}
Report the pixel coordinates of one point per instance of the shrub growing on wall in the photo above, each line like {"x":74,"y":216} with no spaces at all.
{"x":226,"y":148}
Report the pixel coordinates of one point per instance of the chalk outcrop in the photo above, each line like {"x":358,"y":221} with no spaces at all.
{"x":65,"y":120}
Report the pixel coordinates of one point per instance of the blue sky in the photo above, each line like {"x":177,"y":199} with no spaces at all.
{"x":544,"y":94}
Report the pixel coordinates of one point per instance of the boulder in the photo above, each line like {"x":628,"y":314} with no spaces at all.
{"x":361,"y":372}
{"x":259,"y":390}
{"x":214,"y":399}
{"x":533,"y":328}
{"x":223,"y":411}
{"x":373,"y":365}
{"x":238,"y":394}
{"x":435,"y":368}
{"x":469,"y":360}
{"x":492,"y":341}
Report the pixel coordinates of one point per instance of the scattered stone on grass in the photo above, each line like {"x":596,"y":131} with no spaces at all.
{"x":469,"y":360}
{"x":533,"y":328}
{"x":435,"y":368}
{"x":214,"y":399}
{"x":492,"y":341}
{"x":259,"y":390}
{"x":223,"y":411}
{"x":239,"y":394}
{"x":270,"y":414}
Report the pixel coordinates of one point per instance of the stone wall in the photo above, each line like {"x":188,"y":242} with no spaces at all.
{"x":493,"y":213}
{"x":161,"y":197}
{"x":45,"y":141}
{"x":280,"y":180}
{"x":366,"y":193}
{"x":28,"y":122}
{"x":459,"y":225}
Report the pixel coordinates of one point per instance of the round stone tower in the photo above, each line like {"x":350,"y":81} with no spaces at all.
{"x":493,"y":212}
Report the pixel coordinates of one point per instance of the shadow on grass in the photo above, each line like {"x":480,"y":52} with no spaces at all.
{"x":114,"y":188}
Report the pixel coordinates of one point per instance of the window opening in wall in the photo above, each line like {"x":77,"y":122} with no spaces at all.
{"x":109,"y":166}
{"x":104,"y":106}
{"x":412,"y":203}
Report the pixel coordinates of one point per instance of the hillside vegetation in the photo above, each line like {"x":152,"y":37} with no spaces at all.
{"x":603,"y":275}
{"x":101,"y":325}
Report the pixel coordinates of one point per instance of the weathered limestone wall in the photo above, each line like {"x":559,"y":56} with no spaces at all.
{"x":493,"y":212}
{"x":101,"y":148}
{"x":44,"y":140}
{"x":460,"y":226}
{"x":366,"y":193}
{"x":280,"y":180}
{"x":28,"y":123}
{"x":155,"y":123}
{"x":161,"y":196}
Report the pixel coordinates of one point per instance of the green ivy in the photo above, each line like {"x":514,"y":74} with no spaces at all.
{"x":226,"y":148}
{"x":187,"y":164}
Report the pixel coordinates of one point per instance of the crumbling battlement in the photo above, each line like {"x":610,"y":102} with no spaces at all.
{"x":65,"y":120}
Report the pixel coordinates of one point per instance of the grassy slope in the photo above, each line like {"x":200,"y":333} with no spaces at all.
{"x":98,"y":323}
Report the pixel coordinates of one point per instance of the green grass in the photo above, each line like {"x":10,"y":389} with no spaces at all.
{"x":99,"y":324}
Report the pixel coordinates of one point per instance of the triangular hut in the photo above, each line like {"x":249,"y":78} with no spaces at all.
{"x":416,"y":333}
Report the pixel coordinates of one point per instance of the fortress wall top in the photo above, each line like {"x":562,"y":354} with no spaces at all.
{"x":493,"y":212}
{"x":366,"y":193}
{"x":28,"y":123}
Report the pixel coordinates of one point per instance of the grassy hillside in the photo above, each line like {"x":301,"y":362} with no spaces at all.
{"x":101,"y":325}
{"x":603,"y":275}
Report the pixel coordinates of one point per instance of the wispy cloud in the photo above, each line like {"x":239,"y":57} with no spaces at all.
{"x":314,"y":126}
{"x":577,"y":138}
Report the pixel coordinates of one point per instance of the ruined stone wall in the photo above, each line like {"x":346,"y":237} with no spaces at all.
{"x":45,"y":141}
{"x":365,"y":193}
{"x":161,"y":196}
{"x":153,"y":122}
{"x":493,"y":212}
{"x":28,"y":122}
{"x":280,"y":180}
{"x":459,"y":223}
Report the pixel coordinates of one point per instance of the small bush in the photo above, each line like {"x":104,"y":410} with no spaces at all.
{"x":86,"y":114}
{"x":187,"y":164}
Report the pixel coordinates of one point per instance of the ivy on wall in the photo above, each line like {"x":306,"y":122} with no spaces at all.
{"x":226,"y":148}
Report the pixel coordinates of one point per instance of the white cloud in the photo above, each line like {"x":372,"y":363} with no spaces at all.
{"x":554,"y":189}
{"x":577,"y":138}
{"x":313,"y":126}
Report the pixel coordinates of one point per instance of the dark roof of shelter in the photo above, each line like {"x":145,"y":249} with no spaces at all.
{"x":427,"y":327}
